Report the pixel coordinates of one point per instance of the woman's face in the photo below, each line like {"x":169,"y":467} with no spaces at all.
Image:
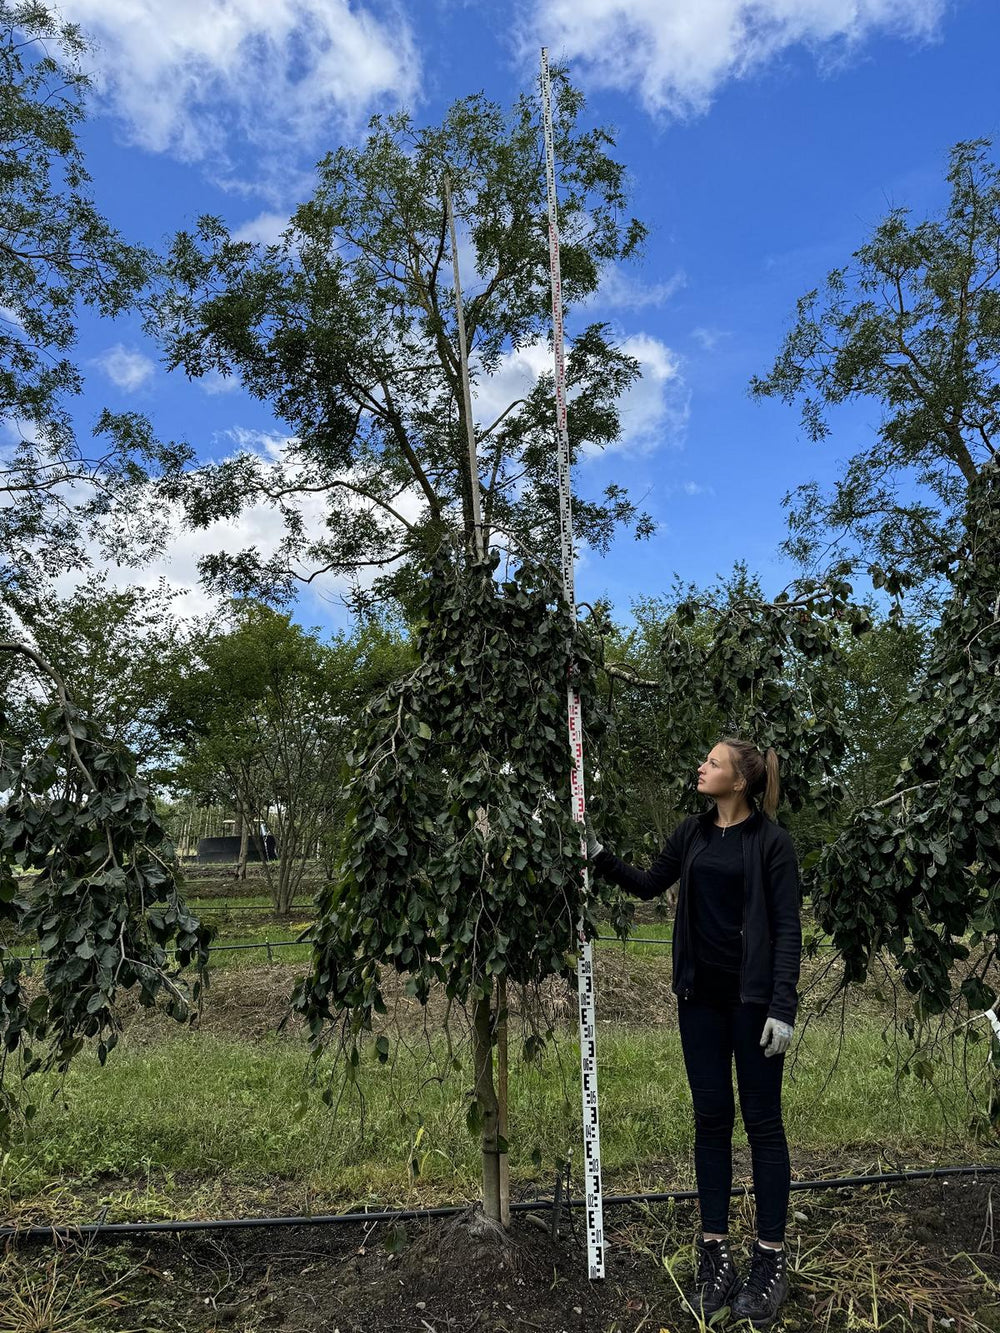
{"x":717,"y":774}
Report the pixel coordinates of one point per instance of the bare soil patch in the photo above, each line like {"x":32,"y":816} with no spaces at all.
{"x":633,"y":992}
{"x":926,"y":1249}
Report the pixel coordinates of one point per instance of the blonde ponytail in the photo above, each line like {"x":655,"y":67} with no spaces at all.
{"x":759,"y":771}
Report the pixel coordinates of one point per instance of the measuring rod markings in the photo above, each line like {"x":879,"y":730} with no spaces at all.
{"x":585,"y":963}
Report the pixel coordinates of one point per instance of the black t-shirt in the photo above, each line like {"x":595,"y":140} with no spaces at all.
{"x":716,"y":906}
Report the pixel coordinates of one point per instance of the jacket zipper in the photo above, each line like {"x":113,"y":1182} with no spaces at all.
{"x":689,"y":939}
{"x":743,"y":932}
{"x":687,"y":929}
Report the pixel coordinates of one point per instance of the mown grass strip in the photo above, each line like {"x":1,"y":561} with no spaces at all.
{"x":198,"y":1106}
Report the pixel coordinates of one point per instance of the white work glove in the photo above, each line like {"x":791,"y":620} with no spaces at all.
{"x":776,"y":1036}
{"x":593,"y":846}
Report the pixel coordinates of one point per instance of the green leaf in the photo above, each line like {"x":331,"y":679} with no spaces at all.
{"x":474,"y":1119}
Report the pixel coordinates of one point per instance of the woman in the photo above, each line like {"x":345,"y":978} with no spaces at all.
{"x":737,"y":943}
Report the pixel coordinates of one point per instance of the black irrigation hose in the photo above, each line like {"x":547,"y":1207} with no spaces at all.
{"x":408,"y":1214}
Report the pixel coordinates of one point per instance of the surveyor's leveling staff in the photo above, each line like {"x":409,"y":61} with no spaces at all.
{"x":585,"y":963}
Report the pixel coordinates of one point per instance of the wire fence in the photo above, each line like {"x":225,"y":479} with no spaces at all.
{"x":268,"y":945}
{"x":294,"y":909}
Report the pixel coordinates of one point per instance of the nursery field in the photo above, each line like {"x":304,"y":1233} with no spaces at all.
{"x":333,"y":622}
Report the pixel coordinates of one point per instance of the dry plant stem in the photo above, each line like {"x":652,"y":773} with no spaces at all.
{"x":477,"y":521}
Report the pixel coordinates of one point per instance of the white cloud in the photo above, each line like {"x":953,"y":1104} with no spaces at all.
{"x":709,"y":339}
{"x":676,"y":53}
{"x":10,"y":316}
{"x":128,"y":369}
{"x":265,"y":228}
{"x":515,"y":377}
{"x":184,"y":75}
{"x":654,"y":411}
{"x":215,"y":383}
{"x":268,"y":444}
{"x":260,"y":526}
{"x":621,"y":290}
{"x":16,"y":430}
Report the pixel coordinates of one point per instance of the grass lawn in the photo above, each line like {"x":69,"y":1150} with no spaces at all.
{"x":209,"y":1107}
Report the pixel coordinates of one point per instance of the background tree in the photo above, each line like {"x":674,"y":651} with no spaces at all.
{"x":765,"y":674}
{"x":873,"y":690}
{"x":675,"y":684}
{"x":119,"y":652}
{"x":264,"y":718}
{"x":56,"y":254}
{"x":652,"y":800}
{"x":914,"y":323}
{"x":346,"y":328}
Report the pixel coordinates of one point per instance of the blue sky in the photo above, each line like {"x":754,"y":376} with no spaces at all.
{"x":764,"y":139}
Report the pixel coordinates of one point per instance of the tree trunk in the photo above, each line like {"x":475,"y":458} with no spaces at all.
{"x":241,"y":868}
{"x":482,"y":1038}
{"x":503,"y":1159}
{"x":286,"y":865}
{"x":260,"y":843}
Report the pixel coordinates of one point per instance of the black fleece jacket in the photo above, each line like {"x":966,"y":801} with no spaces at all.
{"x":772,"y":928}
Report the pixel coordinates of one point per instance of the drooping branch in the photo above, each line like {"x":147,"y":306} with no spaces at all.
{"x":622,"y":671}
{"x":11,"y":646}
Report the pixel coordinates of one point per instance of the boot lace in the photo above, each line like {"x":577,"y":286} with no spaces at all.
{"x":763,"y":1272}
{"x":712,"y":1266}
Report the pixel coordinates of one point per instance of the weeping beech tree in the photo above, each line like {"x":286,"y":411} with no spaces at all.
{"x":918,"y":872}
{"x":912,"y":325}
{"x":461,"y":864}
{"x":86,"y":877}
{"x":346,"y":327}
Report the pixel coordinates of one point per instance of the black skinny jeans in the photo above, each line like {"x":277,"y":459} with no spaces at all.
{"x":712,"y":1033}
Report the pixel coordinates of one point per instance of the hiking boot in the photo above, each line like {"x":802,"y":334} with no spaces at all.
{"x":766,"y":1286}
{"x":718,"y":1280}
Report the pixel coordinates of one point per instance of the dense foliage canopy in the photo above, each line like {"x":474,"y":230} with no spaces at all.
{"x":86,"y":872}
{"x":461,"y":861}
{"x":918,"y":870}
